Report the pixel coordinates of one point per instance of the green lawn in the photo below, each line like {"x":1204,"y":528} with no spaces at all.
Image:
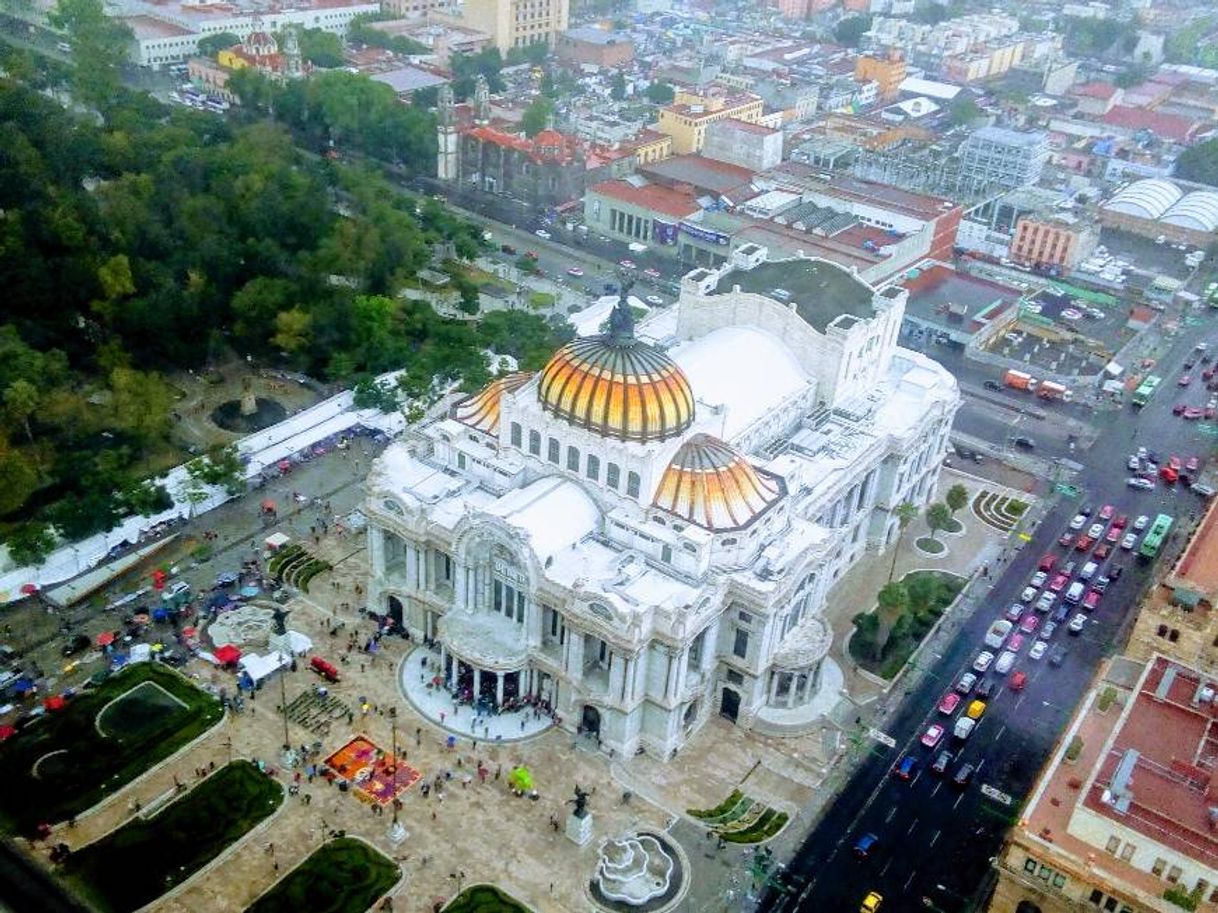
{"x":344,"y":876}
{"x":86,"y":766}
{"x":483,"y":898}
{"x":930,"y":593}
{"x":137,"y":863}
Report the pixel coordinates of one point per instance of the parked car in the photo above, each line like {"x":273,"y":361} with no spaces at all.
{"x":1096,"y":531}
{"x":1047,"y":629}
{"x":864,"y":845}
{"x":1038,"y":579}
{"x":1028,"y":594}
{"x":967,"y":681}
{"x":1077,"y":623}
{"x":950,"y":702}
{"x":983,"y":661}
{"x":1121,"y":522}
{"x":1130,"y":540}
{"x":1107,"y":511}
{"x":1058,"y":583}
{"x":1102,"y":553}
{"x":1079,"y":521}
{"x":1045,"y":602}
{"x":1140,"y":484}
{"x":963,"y":775}
{"x":1046,"y":563}
{"x":1018,"y":681}
{"x":1028,"y":623}
{"x":942,"y":760}
{"x":1039,"y":649}
{"x":1058,"y":656}
{"x":1084,"y":543}
{"x":986,"y":689}
{"x":906,"y":767}
{"x":933,"y":735}
{"x":1005,"y":662}
{"x":1066,"y":540}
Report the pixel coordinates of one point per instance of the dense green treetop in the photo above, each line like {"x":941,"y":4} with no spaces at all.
{"x":1199,"y":163}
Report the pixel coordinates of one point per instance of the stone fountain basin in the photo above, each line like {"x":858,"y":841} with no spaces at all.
{"x":634,"y":870}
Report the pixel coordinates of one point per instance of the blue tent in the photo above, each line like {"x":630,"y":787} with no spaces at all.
{"x":23,"y":685}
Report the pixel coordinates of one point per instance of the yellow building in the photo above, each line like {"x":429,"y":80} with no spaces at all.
{"x":652,"y":147}
{"x":687,"y":118}
{"x":514,"y":23}
{"x":886,"y":72}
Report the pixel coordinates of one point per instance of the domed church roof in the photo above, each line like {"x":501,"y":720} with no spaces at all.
{"x":481,"y":410}
{"x":618,"y":386}
{"x":713,"y":486}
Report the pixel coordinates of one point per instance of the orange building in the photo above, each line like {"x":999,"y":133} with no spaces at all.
{"x":887,"y":72}
{"x":1051,"y":241}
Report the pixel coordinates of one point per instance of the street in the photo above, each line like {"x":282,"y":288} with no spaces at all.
{"x":935,"y":840}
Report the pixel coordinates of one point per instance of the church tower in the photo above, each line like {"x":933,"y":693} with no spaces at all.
{"x":447,"y":149}
{"x":293,"y":63}
{"x":482,"y":100}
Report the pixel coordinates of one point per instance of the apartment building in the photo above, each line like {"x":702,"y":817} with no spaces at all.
{"x":687,"y":118}
{"x":517,"y":23}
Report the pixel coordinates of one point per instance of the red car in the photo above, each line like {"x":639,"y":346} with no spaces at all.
{"x":1083,"y":543}
{"x":1185,"y":380}
{"x":1192,"y":413}
{"x":1114,"y":535}
{"x":933,"y":735}
{"x":1046,"y":563}
{"x":1066,"y":540}
{"x":1029,"y":623}
{"x":1169,"y":475}
{"x":1121,"y":522}
{"x":1018,"y":680}
{"x":1102,"y":553}
{"x":1015,"y":644}
{"x":1058,"y":583}
{"x":1106,"y":512}
{"x":950,"y":702}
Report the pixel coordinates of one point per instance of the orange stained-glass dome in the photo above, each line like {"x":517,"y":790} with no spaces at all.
{"x":481,"y":410}
{"x":618,"y":386}
{"x":713,"y":486}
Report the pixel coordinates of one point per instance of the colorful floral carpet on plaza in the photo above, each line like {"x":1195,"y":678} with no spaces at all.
{"x":373,"y":773}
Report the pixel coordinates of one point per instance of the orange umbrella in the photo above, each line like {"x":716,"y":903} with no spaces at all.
{"x":54,"y":703}
{"x":105,"y":638}
{"x":189,"y":632}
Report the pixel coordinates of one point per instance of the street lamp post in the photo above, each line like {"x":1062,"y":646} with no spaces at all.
{"x":289,"y":756}
{"x":397,"y":833}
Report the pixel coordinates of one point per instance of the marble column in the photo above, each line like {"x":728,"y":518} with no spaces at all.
{"x":670,"y":683}
{"x":477,"y":683}
{"x":773,"y":687}
{"x":412,"y":567}
{"x":443,"y":663}
{"x":499,"y":676}
{"x":791,"y":690}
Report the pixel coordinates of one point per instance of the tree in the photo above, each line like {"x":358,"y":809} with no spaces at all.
{"x":905,"y":512}
{"x":661,"y":93}
{"x":938,"y":516}
{"x":537,"y":116}
{"x":292,"y":330}
{"x":321,"y":48}
{"x":891,"y":603}
{"x":849,"y":31}
{"x":617,"y":87}
{"x":20,"y":402}
{"x":963,"y":111}
{"x":221,"y":465}
{"x":1199,"y":163}
{"x":19,"y":478}
{"x":142,"y":403}
{"x":99,"y":49}
{"x":956,"y":498}
{"x":211,"y":45}
{"x":30,"y":543}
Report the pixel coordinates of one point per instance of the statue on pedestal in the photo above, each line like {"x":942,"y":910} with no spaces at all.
{"x":580,"y":802}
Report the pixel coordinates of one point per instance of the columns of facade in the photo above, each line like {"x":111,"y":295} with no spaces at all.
{"x":628,"y":678}
{"x":412,"y":566}
{"x":616,"y":669}
{"x":443,"y":664}
{"x":477,"y":683}
{"x":682,"y":672}
{"x":792,"y":689}
{"x":670,"y":682}
{"x":499,"y":677}
{"x":773,"y":687}
{"x":710,"y":646}
{"x":575,"y":657}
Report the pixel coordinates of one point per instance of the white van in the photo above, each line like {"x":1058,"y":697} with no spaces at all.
{"x":1088,"y":570}
{"x":1075,"y":593}
{"x":996,"y":636}
{"x":964,"y":728}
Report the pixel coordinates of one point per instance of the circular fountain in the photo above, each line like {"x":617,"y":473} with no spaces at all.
{"x":638,"y":873}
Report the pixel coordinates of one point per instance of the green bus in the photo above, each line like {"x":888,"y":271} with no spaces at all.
{"x":1154,"y":539}
{"x":1146,"y":390}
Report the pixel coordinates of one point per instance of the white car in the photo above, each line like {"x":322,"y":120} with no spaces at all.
{"x":1038,"y":579}
{"x":1072,"y":314}
{"x":985,"y":659}
{"x":1140,"y":484}
{"x":1039,"y":649}
{"x":1133,"y":463}
{"x":1077,"y":623}
{"x":1005,"y":662}
{"x":1130,"y":540}
{"x":1141,"y":523}
{"x":543,"y":234}
{"x":1079,"y":521}
{"x":1096,"y":531}
{"x":654,"y":300}
{"x":1045,"y":602}
{"x":1028,"y":595}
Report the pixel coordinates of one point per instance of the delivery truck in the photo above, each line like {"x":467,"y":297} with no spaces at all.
{"x":1052,"y":390}
{"x":1019,"y":380}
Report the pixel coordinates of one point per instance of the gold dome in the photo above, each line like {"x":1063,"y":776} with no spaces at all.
{"x":713,"y":486}
{"x":618,"y":386}
{"x":481,"y":411}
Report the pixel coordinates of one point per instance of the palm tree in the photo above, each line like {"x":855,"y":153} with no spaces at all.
{"x":891,"y":603}
{"x":905,"y":512}
{"x":956,"y":498}
{"x":938,"y":516}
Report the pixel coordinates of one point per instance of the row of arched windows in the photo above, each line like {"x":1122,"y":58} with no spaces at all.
{"x":574,"y":460}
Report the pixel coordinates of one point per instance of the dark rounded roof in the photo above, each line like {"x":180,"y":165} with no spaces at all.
{"x":618,"y":387}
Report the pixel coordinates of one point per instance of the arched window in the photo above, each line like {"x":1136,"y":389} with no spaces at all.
{"x":553,"y":450}
{"x":535,"y":443}
{"x":594,"y":467}
{"x":632,"y":484}
{"x":1162,"y":631}
{"x":573,"y":459}
{"x":613,"y":475}
{"x":516,"y":434}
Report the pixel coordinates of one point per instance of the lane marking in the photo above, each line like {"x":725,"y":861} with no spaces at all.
{"x":912,"y":826}
{"x":909,"y":880}
{"x":884,"y":870}
{"x":938,"y":786}
{"x":934,"y":838}
{"x":891,"y":814}
{"x":957,"y":802}
{"x":1000,"y":732}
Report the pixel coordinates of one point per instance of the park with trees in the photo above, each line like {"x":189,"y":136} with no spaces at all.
{"x":141,"y":241}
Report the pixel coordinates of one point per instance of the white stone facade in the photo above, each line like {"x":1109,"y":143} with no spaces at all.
{"x":534,"y":551}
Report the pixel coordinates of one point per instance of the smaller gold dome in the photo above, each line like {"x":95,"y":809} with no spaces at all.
{"x":481,"y":410}
{"x":715,"y":487}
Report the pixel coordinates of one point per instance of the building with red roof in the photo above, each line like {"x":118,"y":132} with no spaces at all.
{"x":1126,"y":811}
{"x":1171,"y":127}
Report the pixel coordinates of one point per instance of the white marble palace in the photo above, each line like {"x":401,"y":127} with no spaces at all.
{"x":643,"y":533}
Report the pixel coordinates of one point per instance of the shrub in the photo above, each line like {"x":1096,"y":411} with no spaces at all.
{"x":722,"y":808}
{"x":1075,"y":749}
{"x":1107,"y":696}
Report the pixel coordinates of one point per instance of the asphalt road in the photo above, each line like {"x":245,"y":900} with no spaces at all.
{"x":936,"y":841}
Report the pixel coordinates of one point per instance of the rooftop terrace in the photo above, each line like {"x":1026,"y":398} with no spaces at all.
{"x":821,"y":291}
